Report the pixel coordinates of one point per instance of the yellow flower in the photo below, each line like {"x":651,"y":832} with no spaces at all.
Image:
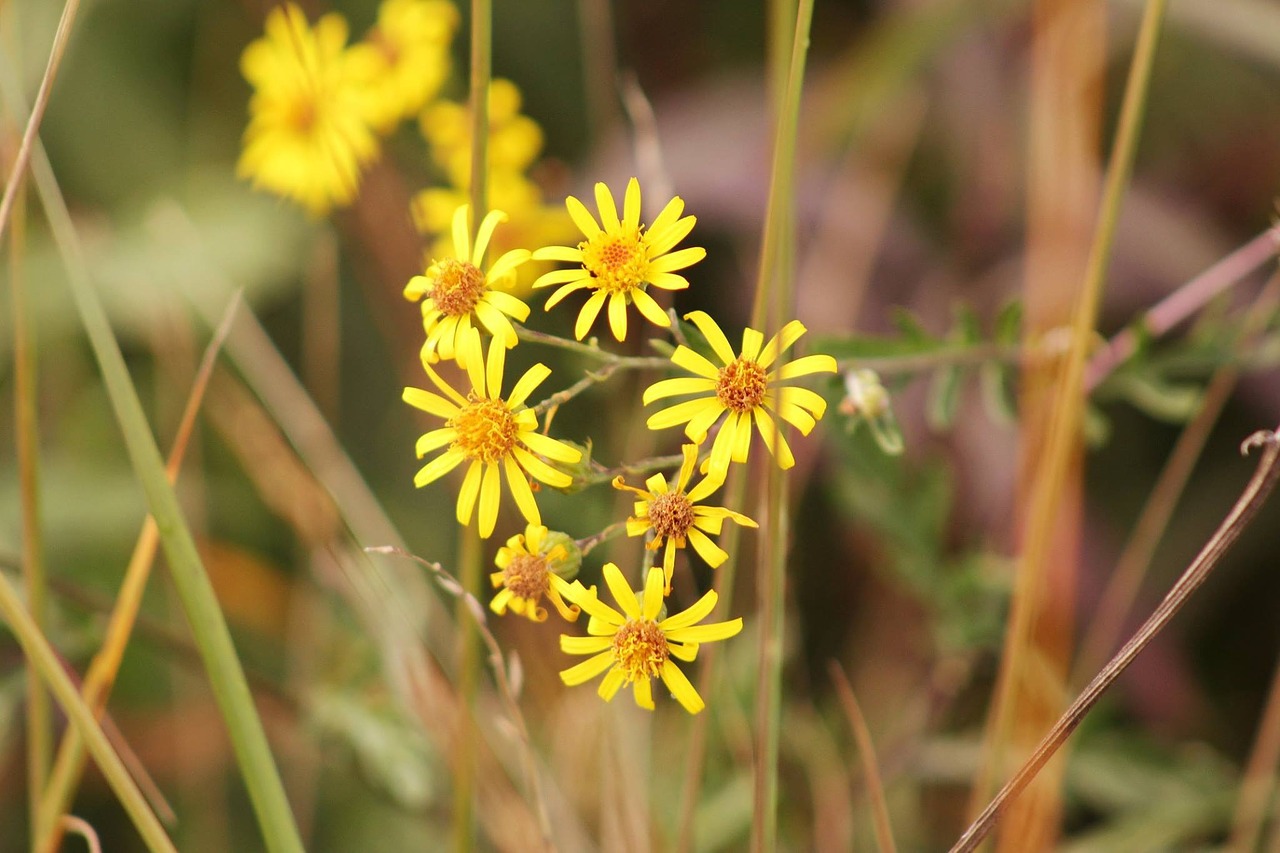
{"x":533,"y":565}
{"x":745,"y":388}
{"x":308,"y":136}
{"x":635,"y":646}
{"x":404,"y":58}
{"x":460,"y":296}
{"x":491,"y":434}
{"x":675,"y":518}
{"x":530,"y":222}
{"x":515,"y":140}
{"x":619,"y":258}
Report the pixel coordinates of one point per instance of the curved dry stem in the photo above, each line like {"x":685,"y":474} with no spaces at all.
{"x":1246,"y":507}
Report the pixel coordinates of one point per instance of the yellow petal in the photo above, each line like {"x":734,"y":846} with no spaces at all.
{"x":437,"y":468}
{"x":533,"y":377}
{"x":651,"y":310}
{"x":654,"y":585}
{"x":631,"y":205}
{"x":432,"y":404}
{"x":806,"y":365}
{"x":644,"y":693}
{"x":487,"y":226}
{"x":751,"y":343}
{"x":587,"y":670}
{"x":608,"y":210}
{"x":540,"y":470}
{"x":584,"y":220}
{"x":711,"y":331}
{"x":683,"y":412}
{"x":780,"y":343}
{"x":609,"y":686}
{"x":621,"y":591}
{"x":694,"y":363}
{"x":519,"y":488}
{"x":707,"y":550}
{"x":584,"y":645}
{"x":695,"y":614}
{"x":774,"y":440}
{"x":618,"y":316}
{"x":587,"y":316}
{"x":493,"y":366}
{"x":490,"y":494}
{"x":434,"y":440}
{"x":461,"y":239}
{"x":467,"y":494}
{"x":707,"y":633}
{"x":677,"y":260}
{"x":679,"y":385}
{"x":680,"y":688}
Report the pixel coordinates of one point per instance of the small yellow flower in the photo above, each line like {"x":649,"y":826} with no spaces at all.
{"x":533,"y":565}
{"x":491,"y":434}
{"x":459,"y":296}
{"x":635,"y":646}
{"x":745,"y":388}
{"x":620,"y":258}
{"x":404,"y":58}
{"x":675,"y":518}
{"x":308,"y":136}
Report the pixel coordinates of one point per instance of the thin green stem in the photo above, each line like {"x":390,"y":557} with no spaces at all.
{"x":589,"y":381}
{"x":470,"y":555}
{"x":774,"y":296}
{"x":481,"y":73}
{"x":644,"y":466}
{"x":43,"y":658}
{"x":587,"y":544}
{"x":1064,"y":431}
{"x":619,"y":362}
{"x":208,"y":626}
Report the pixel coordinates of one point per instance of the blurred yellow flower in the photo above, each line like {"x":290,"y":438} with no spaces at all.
{"x":457,"y":295}
{"x":515,"y":140}
{"x":404,"y":58}
{"x":620,"y":258}
{"x":491,"y":433}
{"x":745,"y":388}
{"x":532,"y":564}
{"x":634,"y":646}
{"x":308,"y":135}
{"x":675,"y":518}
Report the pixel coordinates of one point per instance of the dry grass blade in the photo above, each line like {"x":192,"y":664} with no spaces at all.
{"x":1246,"y":506}
{"x":1259,"y":776}
{"x":98,"y":680}
{"x":866,"y":751}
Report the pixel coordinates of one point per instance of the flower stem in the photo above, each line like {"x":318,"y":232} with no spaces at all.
{"x":620,"y":362}
{"x":586,"y":545}
{"x":773,"y":299}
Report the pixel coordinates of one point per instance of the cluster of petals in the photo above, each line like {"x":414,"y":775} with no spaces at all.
{"x":529,"y":565}
{"x":491,"y":434}
{"x":458,"y":294}
{"x":620,"y":258}
{"x":635,"y":646}
{"x":744,"y":389}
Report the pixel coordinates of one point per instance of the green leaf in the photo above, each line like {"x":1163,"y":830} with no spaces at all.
{"x":944,"y":398}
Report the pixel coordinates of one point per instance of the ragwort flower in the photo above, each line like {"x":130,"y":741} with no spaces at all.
{"x":744,"y":389}
{"x":460,"y":296}
{"x":404,"y":58}
{"x":308,"y":135}
{"x":489,"y":433}
{"x":675,"y":517}
{"x":620,"y":258}
{"x":535,"y":564}
{"x":635,"y":646}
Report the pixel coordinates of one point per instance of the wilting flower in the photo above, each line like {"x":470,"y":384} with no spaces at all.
{"x":744,"y":388}
{"x":620,"y":258}
{"x":404,"y":58}
{"x":308,"y":136}
{"x":635,"y":646}
{"x":675,"y":517}
{"x":459,"y":295}
{"x":490,"y":433}
{"x":535,"y":564}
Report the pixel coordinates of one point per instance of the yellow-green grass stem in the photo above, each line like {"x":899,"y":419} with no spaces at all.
{"x":469,"y":550}
{"x":1064,"y":432}
{"x":773,"y":298}
{"x":41,"y":656}
{"x":68,"y":767}
{"x":208,"y":627}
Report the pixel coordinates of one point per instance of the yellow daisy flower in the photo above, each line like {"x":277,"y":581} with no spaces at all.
{"x":744,"y":388}
{"x":308,"y":136}
{"x":459,"y":296}
{"x":620,"y":258}
{"x":515,"y":140}
{"x":534,"y":564}
{"x":675,"y":518}
{"x":404,"y":58}
{"x":635,"y":646}
{"x":489,"y":433}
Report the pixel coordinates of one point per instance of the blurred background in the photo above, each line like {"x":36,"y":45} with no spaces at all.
{"x":934,"y":139}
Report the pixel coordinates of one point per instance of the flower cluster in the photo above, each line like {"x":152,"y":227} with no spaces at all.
{"x":319,"y":104}
{"x":317,"y":114}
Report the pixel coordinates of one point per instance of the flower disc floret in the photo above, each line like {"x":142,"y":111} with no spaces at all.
{"x":745,"y":389}
{"x":637,"y":645}
{"x":676,"y":516}
{"x":458,"y":295}
{"x":533,"y":565}
{"x":620,"y":258}
{"x":494,"y":435}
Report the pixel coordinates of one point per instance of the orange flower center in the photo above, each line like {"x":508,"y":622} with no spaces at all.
{"x":640,"y":649}
{"x":304,"y":113}
{"x":486,"y":430}
{"x":741,"y":385}
{"x":526,"y":576}
{"x":456,"y":287}
{"x":671,"y":515}
{"x":618,"y":262}
{"x":386,"y":46}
